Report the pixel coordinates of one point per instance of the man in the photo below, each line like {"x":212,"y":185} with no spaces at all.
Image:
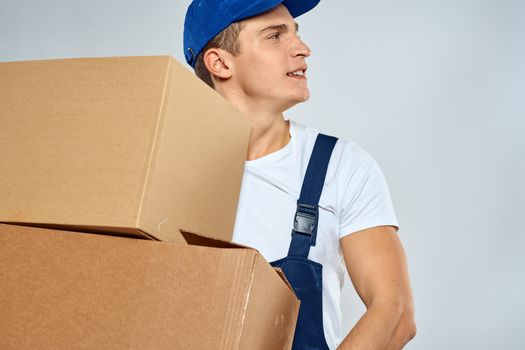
{"x":250,"y":53}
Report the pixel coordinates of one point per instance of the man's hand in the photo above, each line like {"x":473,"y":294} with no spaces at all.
{"x":377,"y":266}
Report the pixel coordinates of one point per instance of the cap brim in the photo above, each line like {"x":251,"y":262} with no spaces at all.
{"x":299,"y":7}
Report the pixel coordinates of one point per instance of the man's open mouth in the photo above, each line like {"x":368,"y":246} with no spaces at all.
{"x":297,"y":73}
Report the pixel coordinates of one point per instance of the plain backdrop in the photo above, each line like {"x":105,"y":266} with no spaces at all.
{"x":434,"y":90}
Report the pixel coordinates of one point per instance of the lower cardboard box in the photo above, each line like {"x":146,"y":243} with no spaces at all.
{"x":68,"y":290}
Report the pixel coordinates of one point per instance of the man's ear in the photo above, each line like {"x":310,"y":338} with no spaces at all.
{"x":218,"y":63}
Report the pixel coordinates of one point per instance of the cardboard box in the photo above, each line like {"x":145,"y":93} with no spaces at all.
{"x":135,"y":145}
{"x":64,"y":290}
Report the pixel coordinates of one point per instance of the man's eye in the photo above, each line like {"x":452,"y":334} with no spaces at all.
{"x":274,"y":36}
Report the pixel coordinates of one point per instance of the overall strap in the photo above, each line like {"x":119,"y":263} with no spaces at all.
{"x":304,"y":232}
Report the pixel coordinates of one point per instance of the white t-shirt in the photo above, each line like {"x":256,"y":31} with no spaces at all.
{"x":355,"y":196}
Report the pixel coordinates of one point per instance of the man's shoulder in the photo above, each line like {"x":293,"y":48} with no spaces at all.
{"x":346,"y":153}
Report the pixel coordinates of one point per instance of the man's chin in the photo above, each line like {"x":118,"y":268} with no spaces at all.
{"x":303,"y":98}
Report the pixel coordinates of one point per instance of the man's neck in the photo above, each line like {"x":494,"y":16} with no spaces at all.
{"x":269,"y":131}
{"x":267,"y":135}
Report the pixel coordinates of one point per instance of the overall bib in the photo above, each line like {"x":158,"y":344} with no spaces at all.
{"x":305,"y":275}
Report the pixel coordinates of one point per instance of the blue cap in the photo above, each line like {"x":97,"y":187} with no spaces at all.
{"x":207,"y":18}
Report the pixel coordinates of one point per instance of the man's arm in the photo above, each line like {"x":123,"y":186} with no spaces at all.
{"x":377,"y":266}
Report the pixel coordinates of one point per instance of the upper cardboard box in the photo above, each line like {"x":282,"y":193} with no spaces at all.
{"x":63,"y":290}
{"x":134,"y":145}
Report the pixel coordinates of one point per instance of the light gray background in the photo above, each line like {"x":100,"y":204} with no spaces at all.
{"x":434,"y":90}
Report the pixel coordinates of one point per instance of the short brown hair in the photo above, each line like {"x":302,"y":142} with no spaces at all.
{"x":226,"y":40}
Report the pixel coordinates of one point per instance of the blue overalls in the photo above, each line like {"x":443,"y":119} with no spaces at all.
{"x":305,"y":275}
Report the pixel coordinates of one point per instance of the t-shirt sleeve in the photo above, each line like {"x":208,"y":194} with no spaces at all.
{"x":366,"y":200}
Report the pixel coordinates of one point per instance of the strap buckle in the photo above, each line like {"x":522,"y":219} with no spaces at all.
{"x":305,"y":221}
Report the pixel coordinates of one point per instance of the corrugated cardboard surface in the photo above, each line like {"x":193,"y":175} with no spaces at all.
{"x":64,"y":290}
{"x":268,"y":297}
{"x":129,"y":142}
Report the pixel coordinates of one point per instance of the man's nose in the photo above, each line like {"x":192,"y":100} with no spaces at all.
{"x":300,"y":48}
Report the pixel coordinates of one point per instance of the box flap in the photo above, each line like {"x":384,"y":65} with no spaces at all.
{"x":200,"y":239}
